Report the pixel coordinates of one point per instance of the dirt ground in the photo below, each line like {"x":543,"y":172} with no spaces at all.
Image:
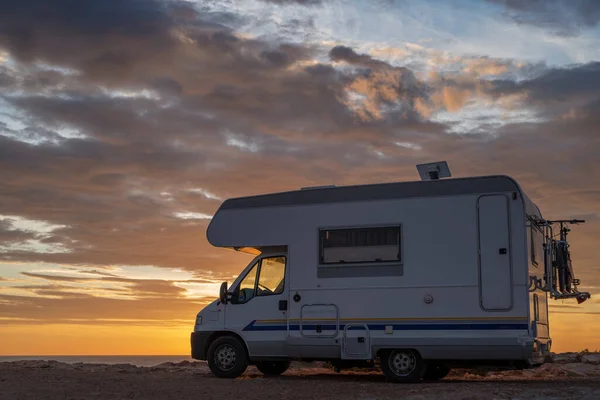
{"x":186,"y":380}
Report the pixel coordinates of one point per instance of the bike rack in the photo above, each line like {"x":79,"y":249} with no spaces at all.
{"x":559,"y":278}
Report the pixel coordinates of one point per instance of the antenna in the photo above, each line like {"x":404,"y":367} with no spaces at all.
{"x":434,"y":171}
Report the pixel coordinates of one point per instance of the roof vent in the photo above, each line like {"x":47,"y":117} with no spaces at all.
{"x":318,"y":187}
{"x":434,"y":171}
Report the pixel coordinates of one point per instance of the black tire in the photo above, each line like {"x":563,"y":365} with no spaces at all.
{"x":434,"y":372}
{"x":402,"y":365}
{"x":227,"y":357}
{"x":273,"y":368}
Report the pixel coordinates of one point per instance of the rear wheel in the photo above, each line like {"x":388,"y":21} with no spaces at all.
{"x":227,"y":357}
{"x":434,"y":372}
{"x":402,"y":365}
{"x":273,"y":368}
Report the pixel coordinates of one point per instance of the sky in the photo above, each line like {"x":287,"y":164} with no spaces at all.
{"x":124,"y":125}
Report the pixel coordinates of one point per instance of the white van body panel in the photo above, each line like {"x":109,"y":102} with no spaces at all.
{"x":458,"y":290}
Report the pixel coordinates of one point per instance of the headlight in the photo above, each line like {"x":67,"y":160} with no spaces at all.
{"x":198,"y":320}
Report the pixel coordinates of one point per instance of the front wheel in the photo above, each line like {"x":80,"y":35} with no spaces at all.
{"x":227,"y":357}
{"x":273,"y":368}
{"x":402,"y":365}
{"x":435,"y":372}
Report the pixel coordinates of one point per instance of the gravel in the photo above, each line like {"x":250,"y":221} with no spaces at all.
{"x":192,"y":380}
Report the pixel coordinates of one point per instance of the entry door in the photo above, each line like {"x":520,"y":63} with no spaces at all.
{"x":258,"y":307}
{"x":494,"y":253}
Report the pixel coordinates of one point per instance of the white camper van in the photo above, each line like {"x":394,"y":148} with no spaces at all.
{"x":416,"y":277}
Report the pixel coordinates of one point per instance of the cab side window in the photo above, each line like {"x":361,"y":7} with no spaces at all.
{"x":265,"y":278}
{"x":271,"y":276}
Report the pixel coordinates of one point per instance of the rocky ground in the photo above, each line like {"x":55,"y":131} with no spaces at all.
{"x":568,"y":376}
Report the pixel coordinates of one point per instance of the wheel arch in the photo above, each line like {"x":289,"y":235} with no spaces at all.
{"x":382,"y":350}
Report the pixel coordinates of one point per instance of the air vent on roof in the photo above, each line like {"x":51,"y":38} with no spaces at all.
{"x":318,"y":187}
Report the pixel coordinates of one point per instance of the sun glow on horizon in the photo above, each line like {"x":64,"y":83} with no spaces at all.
{"x":144,"y":337}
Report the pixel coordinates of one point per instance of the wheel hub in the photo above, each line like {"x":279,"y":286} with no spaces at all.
{"x":225,"y":357}
{"x":402,"y":362}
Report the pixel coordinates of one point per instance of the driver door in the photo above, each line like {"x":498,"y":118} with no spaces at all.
{"x":258,"y":307}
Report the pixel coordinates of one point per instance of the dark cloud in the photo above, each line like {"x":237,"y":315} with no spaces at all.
{"x":141,"y":285}
{"x":146,"y":288}
{"x":152,"y":288}
{"x":130,"y":43}
{"x":558,"y":83}
{"x":7,"y":80}
{"x":53,"y":277}
{"x":347,"y":54}
{"x":570,"y":93}
{"x":563,"y":17}
{"x":98,"y":38}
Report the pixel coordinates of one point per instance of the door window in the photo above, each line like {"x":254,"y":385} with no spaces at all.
{"x":247,"y":285}
{"x":272,"y":274}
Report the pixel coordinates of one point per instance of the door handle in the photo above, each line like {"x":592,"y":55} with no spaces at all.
{"x":502,"y":250}
{"x":283,"y":305}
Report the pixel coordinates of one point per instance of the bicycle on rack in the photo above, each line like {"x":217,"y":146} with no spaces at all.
{"x":559,"y":278}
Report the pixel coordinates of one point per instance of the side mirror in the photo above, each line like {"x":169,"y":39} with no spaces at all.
{"x":223,"y":293}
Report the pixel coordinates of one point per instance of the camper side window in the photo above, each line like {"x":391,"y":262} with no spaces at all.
{"x":360,"y":245}
{"x":537,"y":243}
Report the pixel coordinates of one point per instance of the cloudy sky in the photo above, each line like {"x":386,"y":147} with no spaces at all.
{"x":124,"y":124}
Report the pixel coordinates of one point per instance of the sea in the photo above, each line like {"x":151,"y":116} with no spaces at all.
{"x":140,"y":361}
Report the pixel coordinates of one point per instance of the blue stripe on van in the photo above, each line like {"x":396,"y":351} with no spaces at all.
{"x":406,"y":327}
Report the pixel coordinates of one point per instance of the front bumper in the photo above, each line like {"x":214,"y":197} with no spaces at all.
{"x":198,"y":341}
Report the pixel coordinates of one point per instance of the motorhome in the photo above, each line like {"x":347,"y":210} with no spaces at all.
{"x":413,"y":277}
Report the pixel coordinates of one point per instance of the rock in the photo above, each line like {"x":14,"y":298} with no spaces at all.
{"x":593,"y":358}
{"x":566,"y":358}
{"x":181,"y":365}
{"x":581,"y":369}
